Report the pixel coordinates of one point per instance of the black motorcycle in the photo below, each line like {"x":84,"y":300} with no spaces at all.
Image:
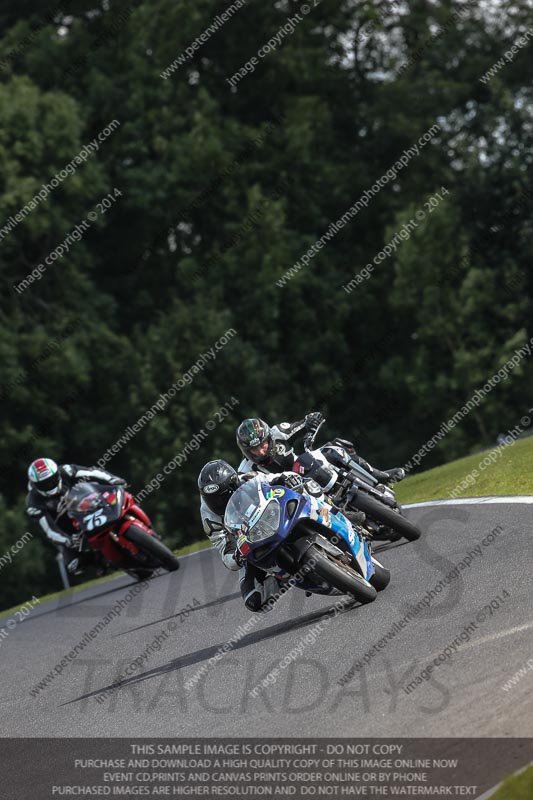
{"x":352,"y":488}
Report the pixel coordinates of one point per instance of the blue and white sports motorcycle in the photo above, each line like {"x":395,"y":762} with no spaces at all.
{"x":289,"y":534}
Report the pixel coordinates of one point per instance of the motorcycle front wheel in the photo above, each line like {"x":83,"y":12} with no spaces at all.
{"x":155,"y":550}
{"x":338,"y":575}
{"x":381,"y":577}
{"x":380,"y":512}
{"x":139,"y":574}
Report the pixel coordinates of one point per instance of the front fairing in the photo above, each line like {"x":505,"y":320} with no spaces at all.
{"x":248,"y":505}
{"x":246,"y":512}
{"x":94,"y":506}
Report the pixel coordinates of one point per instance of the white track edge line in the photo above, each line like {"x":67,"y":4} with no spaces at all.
{"x":472,"y":501}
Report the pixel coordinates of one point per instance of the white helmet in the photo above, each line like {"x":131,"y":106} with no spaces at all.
{"x":45,"y":477}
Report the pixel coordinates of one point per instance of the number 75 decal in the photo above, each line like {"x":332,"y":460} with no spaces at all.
{"x":94,"y":520}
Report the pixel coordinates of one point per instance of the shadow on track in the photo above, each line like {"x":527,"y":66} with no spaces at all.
{"x":225,"y":599}
{"x":384,"y":545}
{"x":208,"y":652}
{"x":67,"y":604}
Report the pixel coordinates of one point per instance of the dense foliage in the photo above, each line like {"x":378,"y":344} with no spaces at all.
{"x":222,"y":191}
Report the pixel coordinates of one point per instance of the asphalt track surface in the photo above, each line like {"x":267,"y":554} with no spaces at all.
{"x":462,"y":697}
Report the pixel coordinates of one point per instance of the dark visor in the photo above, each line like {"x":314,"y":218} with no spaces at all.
{"x":48,"y":483}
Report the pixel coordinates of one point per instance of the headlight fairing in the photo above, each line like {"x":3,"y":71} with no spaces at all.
{"x":268,"y":523}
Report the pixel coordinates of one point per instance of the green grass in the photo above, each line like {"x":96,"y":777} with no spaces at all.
{"x":193,"y":548}
{"x":518,"y":787}
{"x":183,"y":551}
{"x":511,"y":473}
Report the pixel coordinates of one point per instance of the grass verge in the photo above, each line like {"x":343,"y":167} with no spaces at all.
{"x":510,"y":473}
{"x":518,"y":787}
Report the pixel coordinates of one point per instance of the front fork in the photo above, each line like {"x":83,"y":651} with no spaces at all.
{"x":140,"y":515}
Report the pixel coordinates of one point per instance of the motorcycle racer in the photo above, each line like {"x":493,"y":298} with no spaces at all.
{"x":217,"y":482}
{"x":48,"y":483}
{"x":270,"y":449}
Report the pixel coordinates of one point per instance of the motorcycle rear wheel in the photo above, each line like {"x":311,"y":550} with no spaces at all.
{"x":339,"y":576}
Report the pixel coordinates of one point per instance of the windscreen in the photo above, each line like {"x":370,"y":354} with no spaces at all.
{"x":84,"y":497}
{"x":246,"y":500}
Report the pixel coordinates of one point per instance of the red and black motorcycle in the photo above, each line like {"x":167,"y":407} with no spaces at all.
{"x":116,"y":529}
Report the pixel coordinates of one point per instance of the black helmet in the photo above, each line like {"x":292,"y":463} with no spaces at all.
{"x":217,"y":481}
{"x":252,"y":434}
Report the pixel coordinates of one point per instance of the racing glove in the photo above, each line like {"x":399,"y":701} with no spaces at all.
{"x":312,"y":421}
{"x":390,"y":475}
{"x":227,"y":548}
{"x":288,"y":480}
{"x":246,"y":476}
{"x":231,"y":558}
{"x":396,"y":474}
